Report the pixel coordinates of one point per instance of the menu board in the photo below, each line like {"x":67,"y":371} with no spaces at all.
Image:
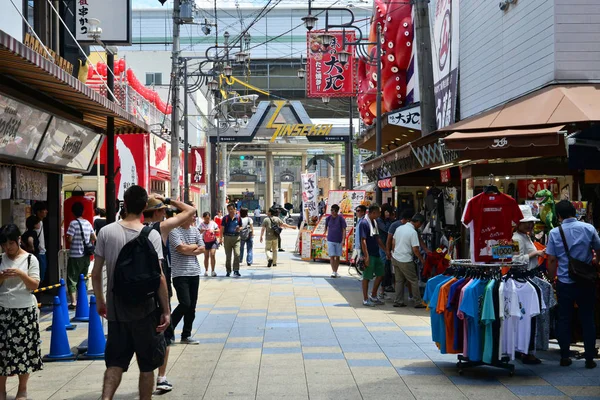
{"x":21,"y":128}
{"x":306,"y":245}
{"x":320,"y":227}
{"x":68,"y":145}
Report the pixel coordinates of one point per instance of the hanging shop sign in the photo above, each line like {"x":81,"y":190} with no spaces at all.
{"x":445,"y":46}
{"x":313,"y":132}
{"x":327,"y":75}
{"x":527,"y":188}
{"x":408,"y":118}
{"x":131,"y":162}
{"x":348,"y":200}
{"x":31,"y":185}
{"x":160,"y":151}
{"x":113,"y":17}
{"x":68,"y":145}
{"x":38,"y":47}
{"x":445,"y":175}
{"x":309,"y":194}
{"x":197,"y":167}
{"x":21,"y":128}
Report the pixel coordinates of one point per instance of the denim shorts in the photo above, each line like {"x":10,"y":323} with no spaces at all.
{"x":334,"y":249}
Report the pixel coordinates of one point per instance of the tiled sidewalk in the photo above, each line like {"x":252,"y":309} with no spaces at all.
{"x":291,"y":332}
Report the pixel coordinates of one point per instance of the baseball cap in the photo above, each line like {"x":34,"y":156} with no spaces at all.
{"x":155,"y":204}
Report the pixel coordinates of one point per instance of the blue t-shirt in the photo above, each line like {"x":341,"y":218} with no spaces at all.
{"x":230,"y":225}
{"x":580,"y":237}
{"x":488,"y":316}
{"x":438,"y":326}
{"x":365,"y":232}
{"x":470,"y":306}
{"x":335,"y":228}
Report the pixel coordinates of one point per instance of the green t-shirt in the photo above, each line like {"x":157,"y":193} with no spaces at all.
{"x":487,"y":317}
{"x":269,"y":235}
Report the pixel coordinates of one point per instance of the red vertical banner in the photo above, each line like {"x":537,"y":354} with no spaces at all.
{"x":197,"y":165}
{"x":326,"y":75}
{"x":131,"y":162}
{"x":445,"y":175}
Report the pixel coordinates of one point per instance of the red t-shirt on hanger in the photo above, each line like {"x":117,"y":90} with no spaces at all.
{"x":490,"y":218}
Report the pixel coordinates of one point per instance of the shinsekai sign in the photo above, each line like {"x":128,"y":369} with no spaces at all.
{"x":308,"y":130}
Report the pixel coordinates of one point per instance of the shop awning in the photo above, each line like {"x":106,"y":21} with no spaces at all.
{"x":548,"y":107}
{"x":32,"y":69}
{"x":503,"y":139}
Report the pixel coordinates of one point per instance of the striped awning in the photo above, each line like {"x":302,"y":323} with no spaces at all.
{"x":32,"y":69}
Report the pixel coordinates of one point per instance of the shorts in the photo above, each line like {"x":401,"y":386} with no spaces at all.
{"x":139,"y":337}
{"x":334,"y":249}
{"x":211,"y":245}
{"x":376,"y":268}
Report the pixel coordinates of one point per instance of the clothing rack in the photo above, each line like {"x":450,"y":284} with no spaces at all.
{"x":504,"y":362}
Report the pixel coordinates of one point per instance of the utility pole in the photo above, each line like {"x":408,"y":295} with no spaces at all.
{"x":378,"y":138}
{"x":111,"y":196}
{"x":186,"y":177}
{"x":175,"y":96}
{"x":423,"y":39}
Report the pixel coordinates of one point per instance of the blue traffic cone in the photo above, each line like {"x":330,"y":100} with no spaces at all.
{"x":62,"y":295}
{"x":96,"y":342}
{"x":59,"y":342}
{"x":82,"y":312}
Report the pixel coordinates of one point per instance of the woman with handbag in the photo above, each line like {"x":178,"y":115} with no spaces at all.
{"x":571,"y":260}
{"x":209,"y":231}
{"x":20,"y":352}
{"x":80,"y":236}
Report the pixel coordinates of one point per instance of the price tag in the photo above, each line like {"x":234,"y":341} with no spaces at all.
{"x":502,"y":252}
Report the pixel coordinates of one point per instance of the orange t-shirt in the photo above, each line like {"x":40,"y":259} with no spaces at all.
{"x":448,"y":316}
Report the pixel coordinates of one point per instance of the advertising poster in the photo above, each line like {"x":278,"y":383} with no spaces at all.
{"x":306,"y":252}
{"x":309,"y":195}
{"x":197,"y":167}
{"x":348,"y":200}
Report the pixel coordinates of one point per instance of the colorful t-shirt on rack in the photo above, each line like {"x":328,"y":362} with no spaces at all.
{"x":470,"y":306}
{"x":430,"y":297}
{"x":455,"y":293}
{"x":542,"y":336}
{"x":529,"y":307}
{"x":452,"y":321}
{"x":488,"y":316}
{"x":460,"y":314}
{"x":489,"y":217}
{"x":511,"y":316}
{"x":447,"y":317}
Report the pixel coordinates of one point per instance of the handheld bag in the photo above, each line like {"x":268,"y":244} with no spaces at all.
{"x":137,"y":272}
{"x":579,"y":271}
{"x":276,"y":228}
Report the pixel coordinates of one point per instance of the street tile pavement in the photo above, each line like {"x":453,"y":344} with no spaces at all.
{"x":292,"y":332}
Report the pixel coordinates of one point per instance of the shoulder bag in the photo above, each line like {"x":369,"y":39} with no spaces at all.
{"x":88,"y":248}
{"x":579,"y":271}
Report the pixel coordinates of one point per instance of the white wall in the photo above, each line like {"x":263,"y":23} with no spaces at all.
{"x":10,"y":20}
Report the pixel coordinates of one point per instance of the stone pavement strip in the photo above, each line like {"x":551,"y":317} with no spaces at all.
{"x":292,"y":332}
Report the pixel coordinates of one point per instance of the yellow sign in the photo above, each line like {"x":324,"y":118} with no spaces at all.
{"x":295,"y":129}
{"x":35,"y":45}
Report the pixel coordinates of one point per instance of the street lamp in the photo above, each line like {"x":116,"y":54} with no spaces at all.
{"x":227,"y":70}
{"x":213,"y":86}
{"x":326,"y":39}
{"x":240,"y":57}
{"x":325,"y":100}
{"x":309,"y":21}
{"x":301,"y":73}
{"x":245,"y":119}
{"x":343,"y":56}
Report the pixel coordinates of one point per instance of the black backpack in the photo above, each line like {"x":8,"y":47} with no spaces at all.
{"x":137,"y":271}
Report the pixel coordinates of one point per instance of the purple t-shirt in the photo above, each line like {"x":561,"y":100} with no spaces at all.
{"x":335,"y":226}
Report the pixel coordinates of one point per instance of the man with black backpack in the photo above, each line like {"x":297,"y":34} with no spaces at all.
{"x":155,"y":216}
{"x":136,"y":306}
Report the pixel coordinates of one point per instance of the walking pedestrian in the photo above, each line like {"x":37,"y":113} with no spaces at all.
{"x":246,"y":237}
{"x":257,"y":215}
{"x":133,"y":326}
{"x":335,"y":229}
{"x":230,"y":239}
{"x":186,"y":244}
{"x":20,"y":351}
{"x":40,"y":210}
{"x":155,"y":215}
{"x":570,"y":245}
{"x":99,"y":220}
{"x":272,"y":226}
{"x":406,"y":246}
{"x":360,"y":212}
{"x":79,"y":236}
{"x":374,"y":265}
{"x":209,"y":231}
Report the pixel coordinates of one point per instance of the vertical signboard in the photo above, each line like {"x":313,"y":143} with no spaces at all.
{"x":112,"y":16}
{"x":444,"y":48}
{"x":327,"y":76}
{"x":309,"y":194}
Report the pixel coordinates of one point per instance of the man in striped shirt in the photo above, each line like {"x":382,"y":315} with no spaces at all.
{"x":186,"y":244}
{"x":79,"y":230}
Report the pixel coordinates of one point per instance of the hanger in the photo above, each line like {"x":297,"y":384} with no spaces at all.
{"x":491,"y":188}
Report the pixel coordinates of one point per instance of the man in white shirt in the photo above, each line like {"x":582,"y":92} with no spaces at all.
{"x":406,"y":246}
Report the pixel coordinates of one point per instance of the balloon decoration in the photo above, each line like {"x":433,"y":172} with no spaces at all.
{"x":150,"y":95}
{"x":397,"y":36}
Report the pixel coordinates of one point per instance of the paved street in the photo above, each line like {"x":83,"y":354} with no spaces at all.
{"x":292,"y":332}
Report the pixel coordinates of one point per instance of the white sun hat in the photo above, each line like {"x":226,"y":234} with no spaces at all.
{"x":527,"y":214}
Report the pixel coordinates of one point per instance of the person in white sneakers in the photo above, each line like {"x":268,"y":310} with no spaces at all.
{"x":209,"y":231}
{"x":335,"y":229}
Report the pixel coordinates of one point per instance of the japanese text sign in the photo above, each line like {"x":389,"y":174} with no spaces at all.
{"x":327,"y":76}
{"x":310,"y":190}
{"x":114,"y":17}
{"x":197,"y":165}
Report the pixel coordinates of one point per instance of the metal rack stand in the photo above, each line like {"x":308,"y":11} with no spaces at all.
{"x":464,"y":362}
